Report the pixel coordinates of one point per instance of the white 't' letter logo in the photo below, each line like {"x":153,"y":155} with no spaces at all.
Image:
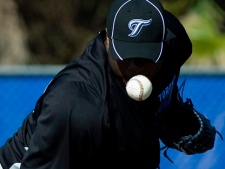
{"x":136,"y":25}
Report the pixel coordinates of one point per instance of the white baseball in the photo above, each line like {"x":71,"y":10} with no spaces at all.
{"x":139,"y":88}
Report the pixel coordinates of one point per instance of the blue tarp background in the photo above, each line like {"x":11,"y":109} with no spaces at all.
{"x":18,"y":95}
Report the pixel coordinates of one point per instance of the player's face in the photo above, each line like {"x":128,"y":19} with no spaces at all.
{"x":127,"y":68}
{"x":131,"y":67}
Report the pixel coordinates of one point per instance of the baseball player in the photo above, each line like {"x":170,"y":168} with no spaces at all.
{"x":86,"y":119}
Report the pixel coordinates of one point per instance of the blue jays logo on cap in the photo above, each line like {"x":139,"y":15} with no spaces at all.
{"x":136,"y":29}
{"x":135,"y":25}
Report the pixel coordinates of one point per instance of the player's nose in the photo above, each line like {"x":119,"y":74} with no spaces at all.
{"x":136,"y":63}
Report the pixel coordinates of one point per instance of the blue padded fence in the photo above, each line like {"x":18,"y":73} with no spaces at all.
{"x":20,"y":87}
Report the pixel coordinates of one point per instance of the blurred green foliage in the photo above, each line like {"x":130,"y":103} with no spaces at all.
{"x":204,"y":26}
{"x":178,"y":7}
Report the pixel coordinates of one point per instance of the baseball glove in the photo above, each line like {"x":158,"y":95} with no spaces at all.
{"x":187,"y":130}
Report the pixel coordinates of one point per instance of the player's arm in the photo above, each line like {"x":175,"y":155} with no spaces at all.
{"x":51,"y":145}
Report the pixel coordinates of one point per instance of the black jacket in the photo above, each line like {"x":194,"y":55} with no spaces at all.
{"x":86,"y":119}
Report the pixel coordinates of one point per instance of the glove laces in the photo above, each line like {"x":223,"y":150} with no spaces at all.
{"x":165,"y":148}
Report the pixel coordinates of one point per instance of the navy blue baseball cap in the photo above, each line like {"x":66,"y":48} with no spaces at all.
{"x":136,"y":29}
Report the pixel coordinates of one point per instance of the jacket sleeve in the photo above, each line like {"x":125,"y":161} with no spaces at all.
{"x":64,"y":127}
{"x":177,"y":42}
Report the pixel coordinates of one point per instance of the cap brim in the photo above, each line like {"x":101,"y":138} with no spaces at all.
{"x":120,"y":50}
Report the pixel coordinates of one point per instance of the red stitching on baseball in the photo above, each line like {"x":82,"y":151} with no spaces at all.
{"x":141,"y":89}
